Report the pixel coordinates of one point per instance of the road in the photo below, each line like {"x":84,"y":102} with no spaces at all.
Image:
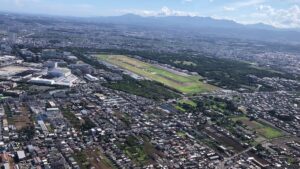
{"x":222,"y":164}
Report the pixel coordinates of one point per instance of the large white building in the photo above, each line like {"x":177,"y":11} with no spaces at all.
{"x":59,"y":72}
{"x":58,"y":76}
{"x":7,"y":60}
{"x":42,"y":81}
{"x":91,"y":78}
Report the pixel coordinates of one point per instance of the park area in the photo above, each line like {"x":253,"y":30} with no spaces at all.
{"x":182,"y":82}
{"x":261,"y":128}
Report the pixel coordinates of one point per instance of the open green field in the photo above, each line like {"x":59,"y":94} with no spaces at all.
{"x":189,"y":102}
{"x":187,"y":84}
{"x":185,"y":63}
{"x":141,"y":154}
{"x":261,"y":128}
{"x":185,"y":105}
{"x":181,"y":134}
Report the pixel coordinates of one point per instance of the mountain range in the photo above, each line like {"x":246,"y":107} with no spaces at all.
{"x":203,"y":26}
{"x":207,"y":26}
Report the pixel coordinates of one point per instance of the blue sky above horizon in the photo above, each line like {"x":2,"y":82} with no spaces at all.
{"x":279,"y":13}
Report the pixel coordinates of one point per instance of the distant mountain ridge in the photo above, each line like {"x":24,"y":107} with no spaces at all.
{"x":195,"y":21}
{"x":204,"y":26}
{"x":208,"y":26}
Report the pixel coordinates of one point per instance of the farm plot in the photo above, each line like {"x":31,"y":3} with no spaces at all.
{"x":261,"y":128}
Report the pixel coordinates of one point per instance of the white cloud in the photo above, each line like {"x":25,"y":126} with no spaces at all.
{"x":284,"y":18}
{"x":226,"y":8}
{"x":187,"y":1}
{"x":18,"y":3}
{"x":164,"y":11}
{"x":242,"y":4}
{"x":47,"y":7}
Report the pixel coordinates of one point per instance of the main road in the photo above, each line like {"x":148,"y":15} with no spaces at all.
{"x":222,"y":164}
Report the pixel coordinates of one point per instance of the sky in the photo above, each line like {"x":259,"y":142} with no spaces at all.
{"x":279,"y":13}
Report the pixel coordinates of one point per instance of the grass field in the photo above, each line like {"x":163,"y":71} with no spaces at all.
{"x":189,"y":102}
{"x":183,"y":83}
{"x":141,"y":154}
{"x":261,"y":128}
{"x":179,"y":106}
{"x":181,"y":134}
{"x":185,"y":63}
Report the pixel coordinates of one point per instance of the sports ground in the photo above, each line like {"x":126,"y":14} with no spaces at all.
{"x":184,"y":83}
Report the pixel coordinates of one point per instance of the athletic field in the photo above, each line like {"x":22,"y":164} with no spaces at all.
{"x":184,"y":83}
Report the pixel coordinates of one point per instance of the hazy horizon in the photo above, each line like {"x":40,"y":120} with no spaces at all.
{"x":278,"y":13}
